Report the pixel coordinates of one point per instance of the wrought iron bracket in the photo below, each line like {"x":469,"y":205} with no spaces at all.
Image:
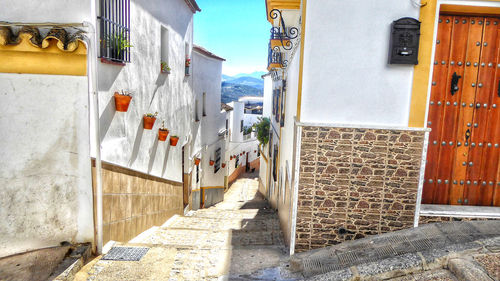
{"x":286,"y":35}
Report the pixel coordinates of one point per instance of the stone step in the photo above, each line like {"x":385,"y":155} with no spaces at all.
{"x":215,"y":224}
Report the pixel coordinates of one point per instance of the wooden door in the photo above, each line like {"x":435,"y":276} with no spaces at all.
{"x":463,"y":153}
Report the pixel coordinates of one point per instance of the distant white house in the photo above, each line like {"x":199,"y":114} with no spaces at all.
{"x":209,"y":130}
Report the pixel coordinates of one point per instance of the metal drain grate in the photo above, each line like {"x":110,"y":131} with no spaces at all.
{"x":125,"y":254}
{"x":421,"y":244}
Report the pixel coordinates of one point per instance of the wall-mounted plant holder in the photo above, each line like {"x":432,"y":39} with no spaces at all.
{"x":223,"y":165}
{"x":164,"y":68}
{"x":212,"y":162}
{"x":231,"y":157}
{"x":174,"y":140}
{"x":162,"y":134}
{"x":122,"y":101}
{"x":255,"y":151}
{"x":149,"y":120}
{"x":197,"y":161}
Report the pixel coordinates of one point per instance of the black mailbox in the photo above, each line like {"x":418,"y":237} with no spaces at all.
{"x":405,"y":36}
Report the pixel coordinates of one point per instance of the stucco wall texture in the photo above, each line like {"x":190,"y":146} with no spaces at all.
{"x":45,"y":176}
{"x":355,"y":182}
{"x":123,"y":139}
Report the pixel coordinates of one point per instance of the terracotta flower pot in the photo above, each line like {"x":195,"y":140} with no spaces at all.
{"x":223,"y":165}
{"x":173,"y":141}
{"x":212,"y":162}
{"x":162,"y":135}
{"x":122,"y":102}
{"x":149,"y":122}
{"x":255,"y":151}
{"x":197,"y":161}
{"x":231,"y":157}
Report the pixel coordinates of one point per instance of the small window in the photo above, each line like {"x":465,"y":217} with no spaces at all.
{"x":114,"y":25}
{"x":196,"y":117}
{"x":227,"y":127}
{"x":204,"y":104}
{"x":217,"y":160}
{"x":197,"y":174}
{"x":241,"y":126}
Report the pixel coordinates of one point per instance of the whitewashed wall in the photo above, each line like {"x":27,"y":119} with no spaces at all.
{"x":236,"y":148}
{"x":45,"y":177}
{"x":346,"y":75}
{"x":285,"y":200}
{"x":207,"y":73}
{"x":124,"y":141}
{"x":250,"y":119}
{"x":67,"y":11}
{"x":235,"y":117}
{"x":266,"y":112}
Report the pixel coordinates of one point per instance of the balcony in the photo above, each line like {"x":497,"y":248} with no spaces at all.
{"x":279,"y":38}
{"x":274,"y":59}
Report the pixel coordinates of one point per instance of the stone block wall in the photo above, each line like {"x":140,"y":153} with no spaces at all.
{"x":436,"y":219}
{"x":134,"y":202}
{"x":355,"y":182}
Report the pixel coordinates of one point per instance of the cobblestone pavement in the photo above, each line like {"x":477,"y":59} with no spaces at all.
{"x":240,"y":239}
{"x":237,"y":239}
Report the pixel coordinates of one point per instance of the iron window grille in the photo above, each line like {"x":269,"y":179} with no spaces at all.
{"x":217,"y":160}
{"x":114,"y":36}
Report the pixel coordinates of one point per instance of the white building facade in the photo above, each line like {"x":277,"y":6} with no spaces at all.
{"x":350,"y":128}
{"x":87,"y":167}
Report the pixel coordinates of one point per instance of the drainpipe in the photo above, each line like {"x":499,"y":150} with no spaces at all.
{"x":93,"y":97}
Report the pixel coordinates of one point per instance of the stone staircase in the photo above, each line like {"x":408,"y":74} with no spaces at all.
{"x":233,"y":240}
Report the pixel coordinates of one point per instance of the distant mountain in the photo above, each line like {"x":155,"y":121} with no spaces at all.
{"x":256,"y":74}
{"x":232,"y":92}
{"x":226,"y":77}
{"x":248,"y":81}
{"x":242,"y":85}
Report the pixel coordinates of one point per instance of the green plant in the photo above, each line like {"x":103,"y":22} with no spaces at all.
{"x":188,"y":62}
{"x":118,"y":42}
{"x":262,"y":127}
{"x":164,"y":67}
{"x":151,"y":114}
{"x":247,"y":130}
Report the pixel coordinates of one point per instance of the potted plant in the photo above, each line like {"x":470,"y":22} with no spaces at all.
{"x":212,"y":162}
{"x":223,"y":165}
{"x":117,"y":43}
{"x":162,"y":132}
{"x":173,"y":140}
{"x":255,"y":151}
{"x":149,"y":120}
{"x":122,"y":101}
{"x":188,"y":63}
{"x":231,"y":157}
{"x":197,"y":161}
{"x":165,"y":68}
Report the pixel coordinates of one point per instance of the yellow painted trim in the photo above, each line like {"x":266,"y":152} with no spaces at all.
{"x":26,"y":58}
{"x":210,"y":187}
{"x":194,"y":190}
{"x":277,"y":43}
{"x":273,"y":65}
{"x":421,"y":74}
{"x":301,"y":63}
{"x":282,"y":5}
{"x":418,"y":102}
{"x":469,"y":10}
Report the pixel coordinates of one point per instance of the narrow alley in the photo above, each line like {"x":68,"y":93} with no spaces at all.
{"x":237,"y":239}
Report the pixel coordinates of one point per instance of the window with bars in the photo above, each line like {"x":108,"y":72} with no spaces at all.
{"x":217,"y":160}
{"x":114,"y":33}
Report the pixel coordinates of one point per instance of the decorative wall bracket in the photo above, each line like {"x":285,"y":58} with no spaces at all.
{"x":283,"y":33}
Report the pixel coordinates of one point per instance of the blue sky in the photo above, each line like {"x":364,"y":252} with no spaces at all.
{"x":236,"y":30}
